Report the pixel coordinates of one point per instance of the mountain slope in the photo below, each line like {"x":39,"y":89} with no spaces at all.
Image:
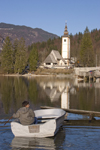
{"x":29,"y":34}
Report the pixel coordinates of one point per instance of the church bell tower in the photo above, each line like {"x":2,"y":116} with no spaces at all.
{"x":66,"y":46}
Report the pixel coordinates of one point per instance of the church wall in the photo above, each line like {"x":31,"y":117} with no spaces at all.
{"x":66,"y":47}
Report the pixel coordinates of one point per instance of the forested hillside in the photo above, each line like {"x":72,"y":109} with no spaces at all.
{"x":76,"y":43}
{"x":44,"y":48}
{"x":87,"y":44}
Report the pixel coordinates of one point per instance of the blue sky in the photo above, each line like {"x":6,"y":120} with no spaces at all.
{"x":51,"y":15}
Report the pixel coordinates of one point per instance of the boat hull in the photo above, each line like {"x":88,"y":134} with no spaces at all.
{"x":47,"y":129}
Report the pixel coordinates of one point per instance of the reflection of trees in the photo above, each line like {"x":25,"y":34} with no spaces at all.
{"x":84,"y":99}
{"x":43,"y":98}
{"x":32,"y":91}
{"x":19,"y":92}
{"x":13,"y":92}
{"x":6,"y":89}
{"x":37,"y":94}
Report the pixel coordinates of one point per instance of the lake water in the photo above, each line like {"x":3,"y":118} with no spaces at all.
{"x":55,"y":92}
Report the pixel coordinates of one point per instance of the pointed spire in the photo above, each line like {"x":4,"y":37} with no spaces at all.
{"x":66,"y":31}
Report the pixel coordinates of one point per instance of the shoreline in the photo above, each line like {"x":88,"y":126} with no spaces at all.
{"x":39,"y":75}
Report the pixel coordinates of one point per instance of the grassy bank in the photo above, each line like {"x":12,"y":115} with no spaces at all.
{"x":41,"y":72}
{"x":53,"y":71}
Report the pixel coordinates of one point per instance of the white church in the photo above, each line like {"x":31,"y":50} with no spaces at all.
{"x":54,"y":59}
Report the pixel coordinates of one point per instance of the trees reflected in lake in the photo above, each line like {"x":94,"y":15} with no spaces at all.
{"x":14,"y":90}
{"x":6,"y":90}
{"x":56,"y":92}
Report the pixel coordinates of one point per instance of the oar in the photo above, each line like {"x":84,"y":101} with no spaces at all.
{"x":8,"y":120}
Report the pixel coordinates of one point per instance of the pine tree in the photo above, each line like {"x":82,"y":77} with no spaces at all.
{"x":33,"y":59}
{"x":20,"y":57}
{"x":7,"y":56}
{"x":15,"y":47}
{"x":86,"y":52}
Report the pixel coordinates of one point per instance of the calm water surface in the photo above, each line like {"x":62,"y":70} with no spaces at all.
{"x":55,"y":92}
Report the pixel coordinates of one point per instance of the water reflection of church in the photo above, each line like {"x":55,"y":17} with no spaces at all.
{"x":58,"y":89}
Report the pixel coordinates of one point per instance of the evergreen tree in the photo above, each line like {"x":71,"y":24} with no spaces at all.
{"x":15,"y":47}
{"x":21,"y":57}
{"x":7,"y":56}
{"x":86,"y":52}
{"x":33,"y":59}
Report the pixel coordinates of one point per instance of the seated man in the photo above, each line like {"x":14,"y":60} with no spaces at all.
{"x":25,"y":115}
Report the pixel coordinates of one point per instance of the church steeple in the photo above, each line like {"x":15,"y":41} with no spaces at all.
{"x":66,"y":31}
{"x":66,"y":45}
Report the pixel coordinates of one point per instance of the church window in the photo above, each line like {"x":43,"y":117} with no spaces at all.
{"x":64,"y":40}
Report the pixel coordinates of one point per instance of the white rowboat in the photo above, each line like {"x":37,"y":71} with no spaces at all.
{"x":49,"y":122}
